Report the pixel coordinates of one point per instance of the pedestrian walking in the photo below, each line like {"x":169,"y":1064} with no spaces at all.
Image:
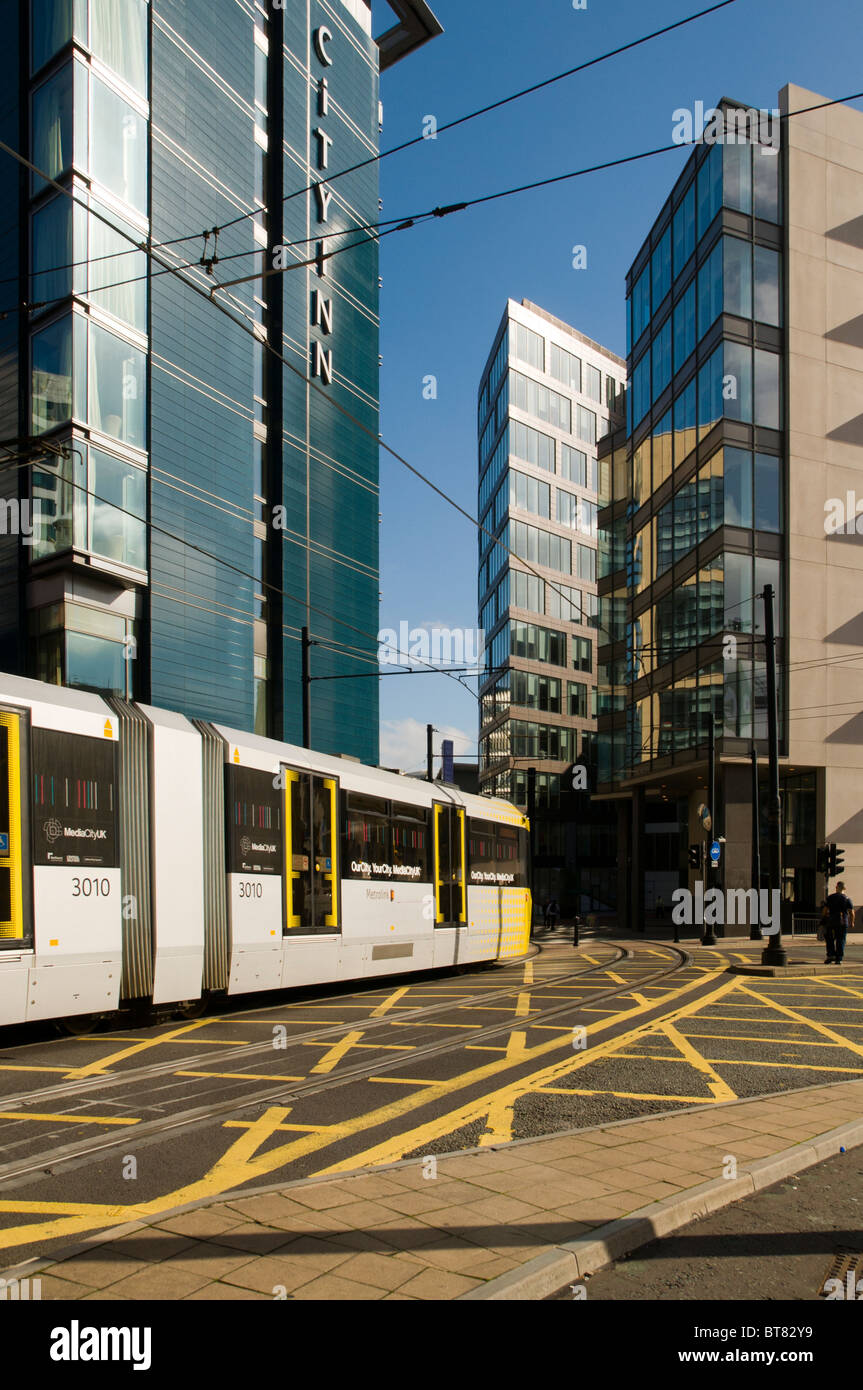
{"x":840,"y":910}
{"x":552,"y":913}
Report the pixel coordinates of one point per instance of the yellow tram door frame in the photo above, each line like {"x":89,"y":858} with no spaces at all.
{"x":462,"y":832}
{"x":292,"y":919}
{"x":11,"y":862}
{"x":331,"y":919}
{"x":438,"y":884}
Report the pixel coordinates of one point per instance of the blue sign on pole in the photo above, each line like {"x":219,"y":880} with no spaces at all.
{"x":4,"y":844}
{"x":448,"y":774}
{"x":715,"y":851}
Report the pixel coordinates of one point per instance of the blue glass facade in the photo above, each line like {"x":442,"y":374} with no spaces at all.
{"x":694,"y":493}
{"x":198,"y":502}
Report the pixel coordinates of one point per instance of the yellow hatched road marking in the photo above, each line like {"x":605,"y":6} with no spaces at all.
{"x":499,"y":1100}
{"x":623,"y":1095}
{"x":790,"y":1066}
{"x":334,"y":1055}
{"x":846,"y":989}
{"x":66,"y":1119}
{"x":388,"y":1002}
{"x":522,"y":1008}
{"x":103,"y":1064}
{"x":401,"y":1081}
{"x":242,"y":1163}
{"x":810,"y":1023}
{"x":776,"y":1042}
{"x":528,"y":972}
{"x":719,"y":1089}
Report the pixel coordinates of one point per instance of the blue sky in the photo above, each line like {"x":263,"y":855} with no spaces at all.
{"x":445,"y":285}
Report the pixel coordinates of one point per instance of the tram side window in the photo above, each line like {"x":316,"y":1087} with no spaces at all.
{"x":481,"y":853}
{"x":366,"y":837}
{"x":74,"y":804}
{"x":254,"y":811}
{"x":410,"y":843}
{"x":498,"y":854}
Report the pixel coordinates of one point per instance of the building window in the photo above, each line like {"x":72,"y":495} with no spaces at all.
{"x":661,"y":358}
{"x":684,"y":230}
{"x":586,"y":563}
{"x":573,"y":465}
{"x":53,"y":248}
{"x":567,"y":509}
{"x":543,"y":403}
{"x":261,"y":676}
{"x":586,"y":425}
{"x":577,"y":699}
{"x":541,"y":547}
{"x":119,"y":158}
{"x":88,"y":648}
{"x":59,"y":493}
{"x":118,"y":273}
{"x":531,"y":446}
{"x":53,"y":23}
{"x":565,"y":367}
{"x":684,"y":327}
{"x":118,"y":509}
{"x":57,"y":373}
{"x":660,"y":265}
{"x":528,"y":346}
{"x":564,"y":603}
{"x":536,"y":692}
{"x":527,"y":591}
{"x":529,"y":494}
{"x":118,"y":36}
{"x":582,"y":654}
{"x":593,"y":383}
{"x":60,"y":123}
{"x":117,"y":382}
{"x":534,"y":643}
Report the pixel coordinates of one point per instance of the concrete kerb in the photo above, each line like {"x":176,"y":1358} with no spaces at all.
{"x":579,"y":1258}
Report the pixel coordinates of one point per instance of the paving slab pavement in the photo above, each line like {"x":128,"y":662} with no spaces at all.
{"x":512,"y":1222}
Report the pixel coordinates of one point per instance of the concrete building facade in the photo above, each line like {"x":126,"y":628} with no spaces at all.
{"x":546,"y":396}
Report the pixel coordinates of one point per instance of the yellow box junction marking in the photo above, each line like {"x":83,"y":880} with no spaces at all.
{"x":104,"y":1063}
{"x":242,"y":1163}
{"x":389,"y":1002}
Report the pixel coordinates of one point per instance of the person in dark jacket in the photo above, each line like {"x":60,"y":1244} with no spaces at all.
{"x":552,"y":913}
{"x":840,"y":916}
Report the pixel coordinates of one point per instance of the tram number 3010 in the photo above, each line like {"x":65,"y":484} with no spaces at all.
{"x":251,"y":890}
{"x":91,"y":888}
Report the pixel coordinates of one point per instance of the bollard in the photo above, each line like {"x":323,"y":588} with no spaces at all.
{"x":575,"y":926}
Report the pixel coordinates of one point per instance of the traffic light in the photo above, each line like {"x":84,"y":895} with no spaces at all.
{"x":835,"y":861}
{"x":822,"y":860}
{"x":695,"y":856}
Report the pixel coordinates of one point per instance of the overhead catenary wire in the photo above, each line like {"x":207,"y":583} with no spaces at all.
{"x":336,"y":405}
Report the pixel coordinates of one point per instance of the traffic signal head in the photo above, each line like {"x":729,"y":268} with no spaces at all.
{"x":838,"y":860}
{"x":822,"y":860}
{"x":695,"y":856}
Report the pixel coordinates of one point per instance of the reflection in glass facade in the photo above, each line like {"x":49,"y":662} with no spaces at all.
{"x":172,"y":438}
{"x":693,"y":492}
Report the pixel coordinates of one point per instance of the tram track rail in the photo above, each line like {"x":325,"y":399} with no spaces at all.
{"x":279,"y":1092}
{"x":324,"y":1031}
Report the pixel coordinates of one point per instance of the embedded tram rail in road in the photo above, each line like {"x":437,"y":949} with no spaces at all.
{"x":66,"y":1143}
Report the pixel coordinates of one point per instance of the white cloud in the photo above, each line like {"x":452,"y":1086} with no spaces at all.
{"x":403,"y":744}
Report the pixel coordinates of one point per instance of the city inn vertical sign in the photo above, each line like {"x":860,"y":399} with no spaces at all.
{"x":322,"y":307}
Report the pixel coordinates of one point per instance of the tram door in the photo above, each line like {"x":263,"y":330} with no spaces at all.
{"x":449,"y":851}
{"x":11,"y":849}
{"x":312,"y":853}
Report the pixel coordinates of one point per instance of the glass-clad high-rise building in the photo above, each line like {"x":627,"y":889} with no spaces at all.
{"x":742,"y":424}
{"x":195,"y":502}
{"x":546,"y":396}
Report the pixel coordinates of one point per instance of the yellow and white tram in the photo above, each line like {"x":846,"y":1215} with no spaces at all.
{"x":147,"y":857}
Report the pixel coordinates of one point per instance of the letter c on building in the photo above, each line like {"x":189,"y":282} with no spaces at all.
{"x":322,"y":38}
